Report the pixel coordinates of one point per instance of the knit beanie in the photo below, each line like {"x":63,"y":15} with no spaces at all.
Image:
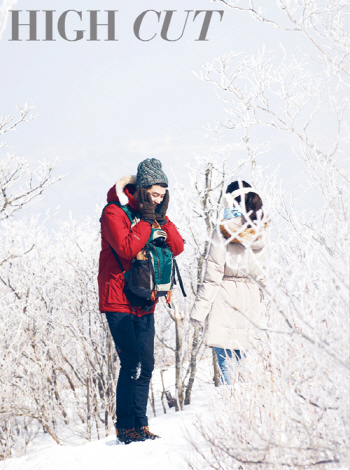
{"x":149,"y":172}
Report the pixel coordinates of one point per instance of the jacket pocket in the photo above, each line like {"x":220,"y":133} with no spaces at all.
{"x":115,"y":289}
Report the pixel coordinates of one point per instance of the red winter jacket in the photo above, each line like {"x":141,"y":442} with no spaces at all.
{"x":115,"y":232}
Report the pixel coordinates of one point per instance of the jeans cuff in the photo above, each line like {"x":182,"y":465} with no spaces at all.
{"x":141,"y":422}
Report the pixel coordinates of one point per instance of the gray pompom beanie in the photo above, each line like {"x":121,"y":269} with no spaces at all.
{"x":149,"y":172}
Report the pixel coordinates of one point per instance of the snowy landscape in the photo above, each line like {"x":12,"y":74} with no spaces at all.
{"x":172,"y":451}
{"x":288,"y":406}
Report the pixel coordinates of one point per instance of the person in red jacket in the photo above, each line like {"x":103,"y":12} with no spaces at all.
{"x":132,"y":329}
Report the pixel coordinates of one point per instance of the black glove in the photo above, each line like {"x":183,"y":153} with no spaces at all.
{"x":146,"y":206}
{"x":161,"y":209}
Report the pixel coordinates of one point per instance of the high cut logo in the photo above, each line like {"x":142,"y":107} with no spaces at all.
{"x":25,"y":24}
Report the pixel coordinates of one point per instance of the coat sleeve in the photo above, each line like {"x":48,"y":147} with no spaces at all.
{"x":174,"y":239}
{"x":115,"y":227}
{"x":212,"y":279}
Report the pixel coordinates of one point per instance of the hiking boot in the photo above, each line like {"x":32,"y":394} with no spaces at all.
{"x":129,"y":435}
{"x":146,"y":434}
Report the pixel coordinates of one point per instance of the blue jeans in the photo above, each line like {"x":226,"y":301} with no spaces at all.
{"x":225,"y":362}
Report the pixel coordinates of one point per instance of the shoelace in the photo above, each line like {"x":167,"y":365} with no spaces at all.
{"x":147,"y":431}
{"x":132,"y":433}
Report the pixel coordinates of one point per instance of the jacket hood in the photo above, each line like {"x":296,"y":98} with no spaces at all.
{"x":234,"y":231}
{"x":123,"y":192}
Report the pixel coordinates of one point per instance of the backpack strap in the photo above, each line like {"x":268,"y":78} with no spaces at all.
{"x":179,"y":277}
{"x":117,"y":259}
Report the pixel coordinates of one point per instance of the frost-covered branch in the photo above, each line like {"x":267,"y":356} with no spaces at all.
{"x":5,"y":8}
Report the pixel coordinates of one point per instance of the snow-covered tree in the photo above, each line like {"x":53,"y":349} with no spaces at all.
{"x":5,"y":8}
{"x":59,"y":368}
{"x":19,"y":185}
{"x":292,"y":410}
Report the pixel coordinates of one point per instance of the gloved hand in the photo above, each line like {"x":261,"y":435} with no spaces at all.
{"x":161,"y":209}
{"x":195,"y":323}
{"x":146,"y":206}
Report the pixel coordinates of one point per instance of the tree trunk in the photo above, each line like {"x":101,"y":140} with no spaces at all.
{"x":193,"y":365}
{"x":48,"y":429}
{"x":217,"y":377}
{"x":88,"y":408}
{"x":178,"y":361}
{"x":109,"y":383}
{"x":163,"y":392}
{"x":151,"y":398}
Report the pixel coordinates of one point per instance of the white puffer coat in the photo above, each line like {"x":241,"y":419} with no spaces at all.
{"x":228,"y":297}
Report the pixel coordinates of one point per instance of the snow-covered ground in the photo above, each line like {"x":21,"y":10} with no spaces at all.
{"x":172,"y":451}
{"x":169,"y":452}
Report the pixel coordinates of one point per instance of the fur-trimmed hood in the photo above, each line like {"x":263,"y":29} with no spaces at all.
{"x":234,"y":231}
{"x":123,"y":192}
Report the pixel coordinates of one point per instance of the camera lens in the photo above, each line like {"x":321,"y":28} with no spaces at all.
{"x":160,"y":241}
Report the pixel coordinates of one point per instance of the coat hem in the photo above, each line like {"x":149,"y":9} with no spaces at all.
{"x":139,"y":313}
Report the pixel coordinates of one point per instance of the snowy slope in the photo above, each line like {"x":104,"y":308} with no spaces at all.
{"x":168,"y":452}
{"x":172,"y":451}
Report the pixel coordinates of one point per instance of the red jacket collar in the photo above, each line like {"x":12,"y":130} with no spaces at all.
{"x":129,"y":191}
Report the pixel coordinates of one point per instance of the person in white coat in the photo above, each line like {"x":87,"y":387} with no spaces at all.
{"x":229,"y":298}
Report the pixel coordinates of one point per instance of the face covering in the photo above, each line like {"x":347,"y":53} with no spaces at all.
{"x":231,"y":213}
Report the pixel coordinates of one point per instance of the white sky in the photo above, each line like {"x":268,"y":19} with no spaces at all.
{"x":105,"y":106}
